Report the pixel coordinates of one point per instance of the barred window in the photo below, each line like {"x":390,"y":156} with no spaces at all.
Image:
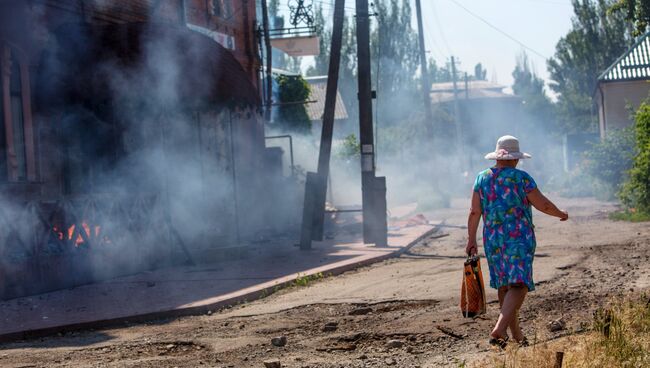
{"x":221,"y":8}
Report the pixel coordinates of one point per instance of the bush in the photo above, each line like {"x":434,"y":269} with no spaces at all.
{"x":609,"y":161}
{"x":293,"y":115}
{"x":636,"y":191}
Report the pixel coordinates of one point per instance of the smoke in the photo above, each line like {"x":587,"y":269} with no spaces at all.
{"x":151,"y":153}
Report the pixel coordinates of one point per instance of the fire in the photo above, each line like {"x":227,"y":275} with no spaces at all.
{"x":91,"y":232}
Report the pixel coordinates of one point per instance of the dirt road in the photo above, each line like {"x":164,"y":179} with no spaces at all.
{"x":401,"y":312}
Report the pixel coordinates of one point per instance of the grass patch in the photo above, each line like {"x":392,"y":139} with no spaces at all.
{"x":619,"y":337}
{"x":629,"y":215}
{"x":305,"y":280}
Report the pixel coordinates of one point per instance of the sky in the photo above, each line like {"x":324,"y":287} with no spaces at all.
{"x":537,"y":25}
{"x":453,"y":27}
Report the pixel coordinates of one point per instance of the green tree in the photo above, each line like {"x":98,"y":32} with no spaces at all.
{"x":321,"y":61}
{"x":480,"y":73}
{"x":636,"y":191}
{"x":636,"y":11}
{"x":293,"y":116}
{"x":395,"y":44}
{"x":438,"y":74}
{"x":594,"y":42}
{"x":530,"y":87}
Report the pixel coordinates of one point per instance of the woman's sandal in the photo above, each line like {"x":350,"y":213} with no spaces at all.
{"x":523,"y":342}
{"x":499,"y":342}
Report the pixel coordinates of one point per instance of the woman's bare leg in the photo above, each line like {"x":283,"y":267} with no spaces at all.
{"x":513,"y":298}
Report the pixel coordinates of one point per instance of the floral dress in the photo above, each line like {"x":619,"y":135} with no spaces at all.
{"x":508,"y":236}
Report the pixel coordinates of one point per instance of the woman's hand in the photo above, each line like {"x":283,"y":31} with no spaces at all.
{"x":565,"y":215}
{"x":471,"y":248}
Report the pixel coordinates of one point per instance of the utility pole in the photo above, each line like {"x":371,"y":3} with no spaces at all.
{"x":373,"y":189}
{"x":459,"y":129}
{"x":313,"y":214}
{"x":426,"y":86}
{"x":269,"y":62}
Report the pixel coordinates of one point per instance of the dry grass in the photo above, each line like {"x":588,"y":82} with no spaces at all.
{"x":619,"y":337}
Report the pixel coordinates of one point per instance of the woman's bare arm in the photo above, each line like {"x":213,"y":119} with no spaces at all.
{"x":472,"y":224}
{"x":543,"y":204}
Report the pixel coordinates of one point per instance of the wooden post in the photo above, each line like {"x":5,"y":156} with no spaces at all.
{"x":559,"y":357}
{"x":316,"y":186}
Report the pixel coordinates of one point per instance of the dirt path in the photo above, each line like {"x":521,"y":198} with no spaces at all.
{"x":401,"y":312}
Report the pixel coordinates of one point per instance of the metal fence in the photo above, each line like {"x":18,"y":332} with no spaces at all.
{"x":48,"y":245}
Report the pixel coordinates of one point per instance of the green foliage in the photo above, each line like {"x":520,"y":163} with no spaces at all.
{"x":480,"y":73}
{"x":293,"y":117}
{"x":608,"y":161}
{"x":594,"y":42}
{"x":623,"y":333}
{"x":636,"y":191}
{"x":630,"y":216}
{"x":305,"y":280}
{"x":574,"y":184}
{"x":439,"y":74}
{"x":636,"y":11}
{"x":321,"y":61}
{"x":530,"y":87}
{"x":349,"y":148}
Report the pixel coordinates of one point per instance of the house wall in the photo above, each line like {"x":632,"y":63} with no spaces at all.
{"x":614,"y":101}
{"x":232,"y":22}
{"x":227,"y":141}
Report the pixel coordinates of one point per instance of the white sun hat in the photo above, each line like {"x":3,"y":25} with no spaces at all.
{"x":507,"y":149}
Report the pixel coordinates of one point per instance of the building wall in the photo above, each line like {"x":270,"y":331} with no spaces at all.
{"x":232,"y":23}
{"x":614,"y":101}
{"x":231,"y":19}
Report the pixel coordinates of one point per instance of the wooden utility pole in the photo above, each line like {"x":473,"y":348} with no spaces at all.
{"x":426,"y":86}
{"x":313,"y":215}
{"x":373,"y":189}
{"x":269,"y":62}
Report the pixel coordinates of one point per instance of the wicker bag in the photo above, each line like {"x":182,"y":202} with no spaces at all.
{"x":472,"y":294}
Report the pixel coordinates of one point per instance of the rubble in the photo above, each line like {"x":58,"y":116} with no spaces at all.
{"x":272,"y":363}
{"x":330,"y":326}
{"x":556,"y":325}
{"x":279,"y":341}
{"x":360,"y":311}
{"x":394,"y":344}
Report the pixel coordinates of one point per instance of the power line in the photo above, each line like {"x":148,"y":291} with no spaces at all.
{"x":498,"y":29}
{"x":435,"y":49}
{"x":551,"y":2}
{"x":442,"y":33}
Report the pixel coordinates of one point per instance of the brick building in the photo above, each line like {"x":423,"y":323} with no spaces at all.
{"x":130,"y":137}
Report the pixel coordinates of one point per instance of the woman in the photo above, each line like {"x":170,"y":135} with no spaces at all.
{"x":503,"y":195}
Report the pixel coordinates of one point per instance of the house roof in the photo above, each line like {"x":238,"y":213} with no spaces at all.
{"x":634,"y":64}
{"x":444,"y":92}
{"x":316,"y":109}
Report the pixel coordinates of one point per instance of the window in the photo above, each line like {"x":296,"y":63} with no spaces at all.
{"x":221,"y":8}
{"x":16,"y":156}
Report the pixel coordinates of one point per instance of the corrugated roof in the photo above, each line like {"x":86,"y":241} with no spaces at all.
{"x":318,"y":89}
{"x":634,"y":64}
{"x":444,"y":92}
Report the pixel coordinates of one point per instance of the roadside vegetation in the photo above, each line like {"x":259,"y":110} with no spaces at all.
{"x":619,"y":167}
{"x":618,"y":337}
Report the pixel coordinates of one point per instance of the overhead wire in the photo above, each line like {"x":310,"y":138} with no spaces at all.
{"x":504,"y":33}
{"x":440,"y":30}
{"x":428,"y":30}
